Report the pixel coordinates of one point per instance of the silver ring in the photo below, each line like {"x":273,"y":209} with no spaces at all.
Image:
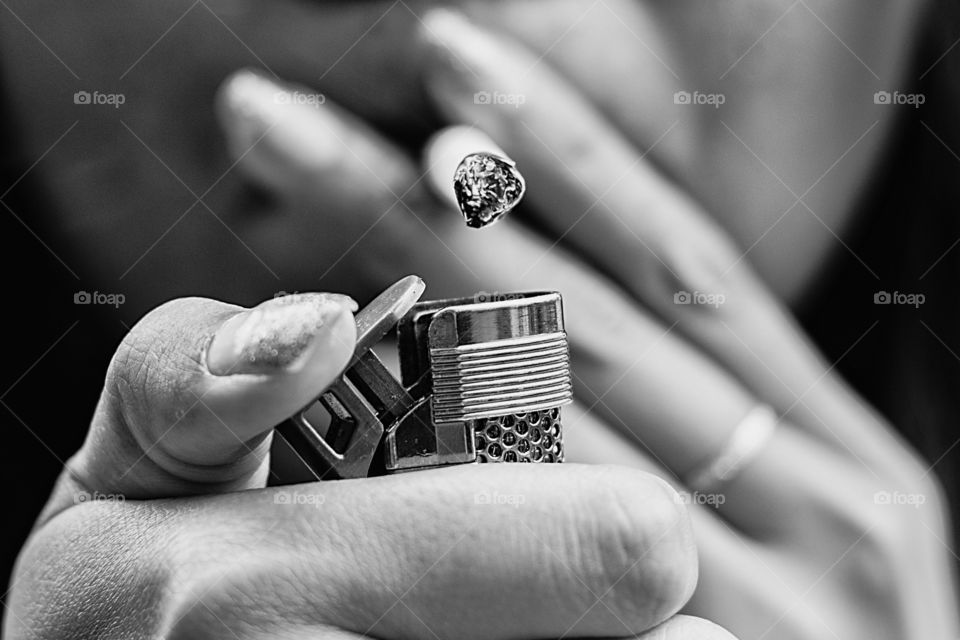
{"x":748,"y":439}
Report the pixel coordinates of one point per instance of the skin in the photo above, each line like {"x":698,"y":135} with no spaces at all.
{"x":696,"y":385}
{"x":112,"y":198}
{"x":111,"y":558}
{"x":801,"y":545}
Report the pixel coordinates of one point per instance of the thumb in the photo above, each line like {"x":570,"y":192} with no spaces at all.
{"x":195,"y":388}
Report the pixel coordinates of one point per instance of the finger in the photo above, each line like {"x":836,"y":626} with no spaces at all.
{"x":516,"y":551}
{"x":677,"y":381}
{"x":773,"y":497}
{"x":343,"y":186}
{"x":608,"y":331}
{"x":305,"y":143}
{"x":689,"y":405}
{"x":686,"y":401}
{"x":742,"y":582}
{"x":195,"y":388}
{"x":465,"y":552}
{"x":601,"y":196}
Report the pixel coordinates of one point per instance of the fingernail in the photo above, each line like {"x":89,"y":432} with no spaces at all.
{"x":276,"y":123}
{"x":465,"y":58}
{"x":251,"y":103}
{"x":274,"y":335}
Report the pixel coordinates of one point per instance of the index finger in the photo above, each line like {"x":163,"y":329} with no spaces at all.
{"x":469,"y":551}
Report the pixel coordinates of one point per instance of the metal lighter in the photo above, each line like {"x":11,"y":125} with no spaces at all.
{"x":482,"y":380}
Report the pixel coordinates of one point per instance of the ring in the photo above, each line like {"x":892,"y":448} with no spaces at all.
{"x":749,"y":437}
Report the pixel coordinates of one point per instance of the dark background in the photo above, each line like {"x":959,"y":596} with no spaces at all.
{"x":54,"y":359}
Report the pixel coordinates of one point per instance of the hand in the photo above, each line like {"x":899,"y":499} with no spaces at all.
{"x":187,"y":409}
{"x":121,"y":185}
{"x":807,"y":540}
{"x":800,"y":545}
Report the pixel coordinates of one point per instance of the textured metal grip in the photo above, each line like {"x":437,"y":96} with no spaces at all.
{"x":500,"y":369}
{"x":505,"y":376}
{"x":535,"y":436}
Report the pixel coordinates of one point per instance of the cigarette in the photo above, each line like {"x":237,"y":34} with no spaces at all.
{"x":468,"y":171}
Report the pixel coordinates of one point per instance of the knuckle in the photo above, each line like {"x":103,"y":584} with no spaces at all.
{"x":151,"y":367}
{"x":167,"y":331}
{"x":642,"y":553}
{"x":256,"y":593}
{"x":919,"y":479}
{"x":880,"y":527}
{"x":871,"y":564}
{"x":211,"y":611}
{"x":129,"y":370}
{"x":89,"y":572}
{"x":227,"y":575}
{"x":209,"y":595}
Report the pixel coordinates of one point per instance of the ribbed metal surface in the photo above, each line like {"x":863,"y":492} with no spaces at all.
{"x":501,"y":377}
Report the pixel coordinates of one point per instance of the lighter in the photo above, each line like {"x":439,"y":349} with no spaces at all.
{"x":483,"y":380}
